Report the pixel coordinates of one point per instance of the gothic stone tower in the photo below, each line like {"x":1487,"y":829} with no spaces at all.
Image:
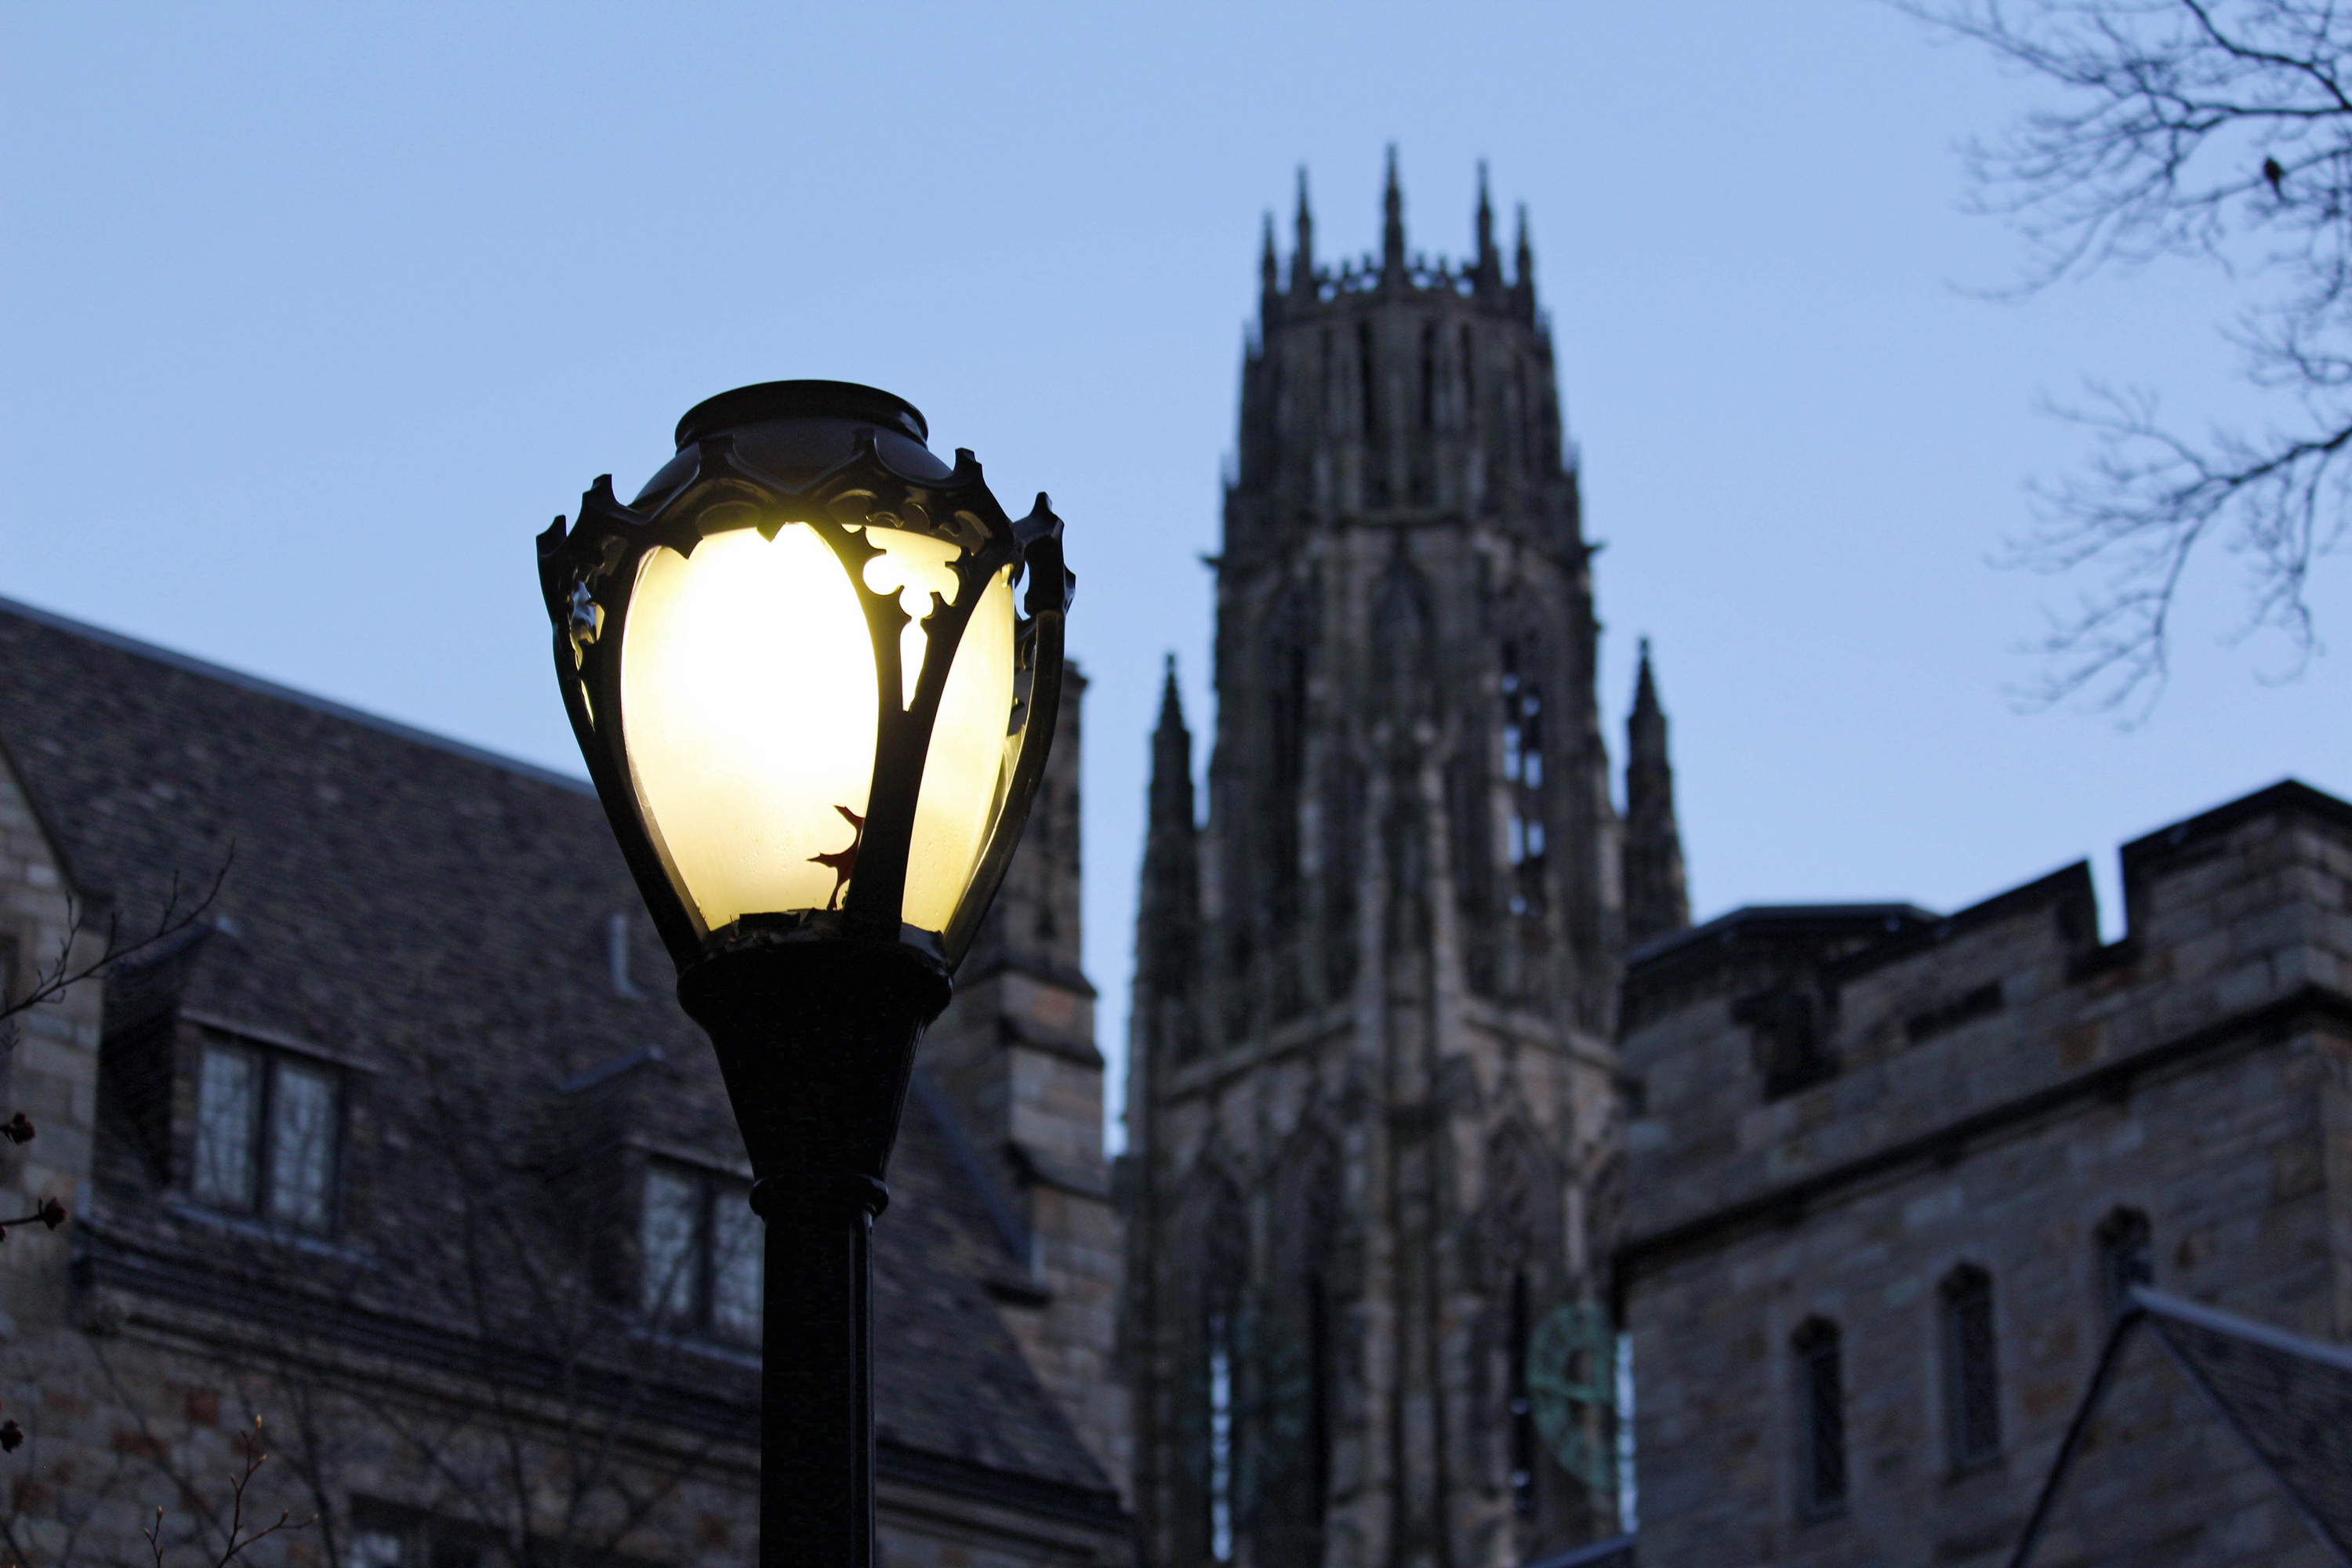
{"x":1371,"y":1103}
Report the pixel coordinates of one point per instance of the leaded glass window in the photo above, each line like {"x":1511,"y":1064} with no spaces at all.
{"x":667,"y":1242}
{"x":1971,"y":1383}
{"x":228,"y":1125}
{"x":699,"y":1253}
{"x":376,"y":1548}
{"x":301,"y":1144}
{"x":1221,"y":1439}
{"x":1523,"y":774}
{"x":1820,"y":1415}
{"x":736,"y":1258}
{"x":268,"y":1126}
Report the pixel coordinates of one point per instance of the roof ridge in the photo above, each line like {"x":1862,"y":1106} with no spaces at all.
{"x":262,"y":686}
{"x":2215,"y":1319}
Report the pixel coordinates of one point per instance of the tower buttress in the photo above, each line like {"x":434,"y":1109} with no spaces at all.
{"x":1302,"y":259}
{"x":1655,"y":900}
{"x":1523,"y":271}
{"x":1167,"y":930}
{"x":1393,"y":226}
{"x":1490,"y":260}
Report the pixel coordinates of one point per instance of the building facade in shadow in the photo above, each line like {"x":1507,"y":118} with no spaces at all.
{"x":404,"y":1147}
{"x":1898,"y":1183}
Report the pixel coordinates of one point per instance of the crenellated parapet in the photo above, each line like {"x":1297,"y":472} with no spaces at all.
{"x":1776,"y":1054}
{"x":1399,"y":390}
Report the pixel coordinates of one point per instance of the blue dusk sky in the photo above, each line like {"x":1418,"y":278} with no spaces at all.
{"x":311,"y":318}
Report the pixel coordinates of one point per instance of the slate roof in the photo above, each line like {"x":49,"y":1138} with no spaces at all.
{"x":2286,"y":1397}
{"x":437,"y":917}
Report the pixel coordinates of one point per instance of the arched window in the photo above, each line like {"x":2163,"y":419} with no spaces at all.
{"x":1288,"y":1385}
{"x":1288,"y":632}
{"x":1523,"y":773}
{"x":1530,"y":448}
{"x":1429,"y":378}
{"x":2127,"y":1258}
{"x":1821,"y":1419}
{"x":1367,"y":379}
{"x":1220,"y":1487}
{"x":1343,"y":829}
{"x":1971,"y":1381}
{"x":1523,"y":1410}
{"x":1319,"y":1352}
{"x":1222,"y":1242}
{"x":1467,"y":412}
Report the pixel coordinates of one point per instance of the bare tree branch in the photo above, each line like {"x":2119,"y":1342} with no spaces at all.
{"x":2218,"y":130}
{"x":181,"y":912}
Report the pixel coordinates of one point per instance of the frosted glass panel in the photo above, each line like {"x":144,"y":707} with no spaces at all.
{"x":966,"y":764}
{"x":302,"y":1145}
{"x":228,"y":1110}
{"x":748,"y":688}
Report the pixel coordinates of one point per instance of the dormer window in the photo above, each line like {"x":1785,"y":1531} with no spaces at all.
{"x":267,"y":1125}
{"x":699,"y":1253}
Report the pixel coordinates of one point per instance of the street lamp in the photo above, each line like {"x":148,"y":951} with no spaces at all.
{"x":815,"y":673}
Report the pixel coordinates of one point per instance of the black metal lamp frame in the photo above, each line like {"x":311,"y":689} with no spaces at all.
{"x":815,"y":1014}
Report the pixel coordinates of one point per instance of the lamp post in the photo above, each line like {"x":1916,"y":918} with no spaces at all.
{"x":814,"y":672}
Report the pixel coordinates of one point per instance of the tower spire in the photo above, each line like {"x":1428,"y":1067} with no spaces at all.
{"x":1392,"y":230}
{"x":1269,"y":275}
{"x":1168,"y":911}
{"x":1490,"y":263}
{"x":1523,"y":271}
{"x":1302,"y":260}
{"x":1171,"y":758}
{"x":1655,"y":900}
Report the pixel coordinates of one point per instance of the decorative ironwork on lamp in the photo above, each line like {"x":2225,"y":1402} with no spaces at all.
{"x":815,"y":673}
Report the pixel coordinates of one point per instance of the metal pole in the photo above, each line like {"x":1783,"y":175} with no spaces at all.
{"x":816,"y":1374}
{"x":816,"y":1042}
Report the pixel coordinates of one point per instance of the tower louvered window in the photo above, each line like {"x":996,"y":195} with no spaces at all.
{"x":1220,"y":1478}
{"x":1469,"y":368}
{"x":1522,"y":1417}
{"x":1523,"y":773}
{"x":1429,"y":378}
{"x":1820,"y":1417}
{"x":1971,"y":1383}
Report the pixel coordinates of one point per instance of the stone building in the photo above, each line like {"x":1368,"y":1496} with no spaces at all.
{"x":1371,"y":1107}
{"x":404,"y":1147}
{"x":1891,"y":1175}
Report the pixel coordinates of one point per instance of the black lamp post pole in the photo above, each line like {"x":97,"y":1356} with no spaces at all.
{"x":814,"y":1011}
{"x":817,"y":1041}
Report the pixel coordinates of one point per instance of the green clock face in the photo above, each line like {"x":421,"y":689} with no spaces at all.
{"x":1573,"y":1388}
{"x":1246,"y":1400}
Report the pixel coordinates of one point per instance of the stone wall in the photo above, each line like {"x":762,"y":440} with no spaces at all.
{"x":1015,"y":1054}
{"x":1986,"y":1090}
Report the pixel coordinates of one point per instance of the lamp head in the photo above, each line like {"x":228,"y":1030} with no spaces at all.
{"x":814,"y":671}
